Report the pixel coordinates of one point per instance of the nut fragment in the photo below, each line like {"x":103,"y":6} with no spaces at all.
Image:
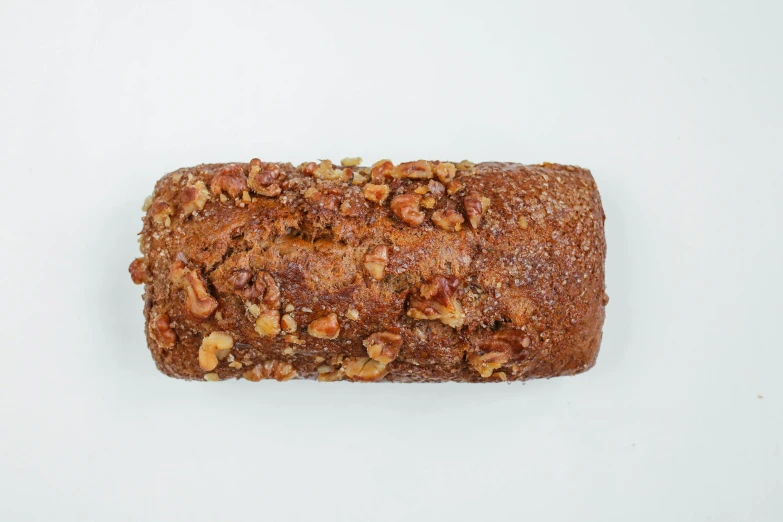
{"x":194,"y":197}
{"x":146,"y":205}
{"x":138,"y":271}
{"x":454,"y":187}
{"x":375,"y":261}
{"x":406,"y":207}
{"x":324,"y":170}
{"x":264,"y":178}
{"x":488,"y":363}
{"x":464,"y":165}
{"x":475,"y":207}
{"x":380,"y":171}
{"x":436,"y":301}
{"x":352,"y":314}
{"x":161,"y":330}
{"x":288,"y":323}
{"x":436,"y":188}
{"x":359,"y":179}
{"x":326,"y":327}
{"x":448,"y":219}
{"x":351,"y":162}
{"x":262,"y":287}
{"x":268,"y":323}
{"x":212,"y":377}
{"x":445,"y":172}
{"x":277,"y":370}
{"x":198,"y":300}
{"x":383,"y":346}
{"x":328,"y":374}
{"x":420,"y":169}
{"x":231,"y":181}
{"x":522,"y":222}
{"x":376,"y":193}
{"x":364,"y":369}
{"x":214,"y":347}
{"x":161,"y":212}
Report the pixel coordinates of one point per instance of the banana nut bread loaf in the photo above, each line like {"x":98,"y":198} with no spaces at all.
{"x":423,"y":271}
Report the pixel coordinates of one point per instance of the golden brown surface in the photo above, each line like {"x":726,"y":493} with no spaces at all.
{"x":423,"y":271}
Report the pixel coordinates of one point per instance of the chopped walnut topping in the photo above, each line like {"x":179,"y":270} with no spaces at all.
{"x":194,"y":197}
{"x":375,"y":261}
{"x":359,"y":179}
{"x":364,"y":369}
{"x":383,"y":346}
{"x":161,"y":212}
{"x":288,"y":323}
{"x":277,"y":370}
{"x":198,"y":300}
{"x":406,"y":207}
{"x":428,"y":202}
{"x":146,"y":205}
{"x":264,"y":178}
{"x":351,"y":162}
{"x":324,"y":170}
{"x":310,"y":192}
{"x":488,"y":363}
{"x":475,"y":207}
{"x":464,"y":165}
{"x":352,"y":314}
{"x":376,"y":193}
{"x":522,"y":222}
{"x":413,"y":170}
{"x":161,"y":330}
{"x":212,"y":377}
{"x":263,"y":287}
{"x":138,"y":271}
{"x":514,"y":343}
{"x":328,"y":374}
{"x":436,"y":188}
{"x":235,"y":364}
{"x":326,"y":327}
{"x":436,"y":301}
{"x":329,"y":201}
{"x":421,"y":189}
{"x":268,"y":323}
{"x":230,"y":180}
{"x":454,"y":187}
{"x":380,"y":171}
{"x":448,"y":219}
{"x":216,"y":346}
{"x":446,"y":172}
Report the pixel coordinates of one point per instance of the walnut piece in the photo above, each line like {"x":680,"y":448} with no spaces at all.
{"x":161,"y":330}
{"x":198,"y":300}
{"x":231,"y":181}
{"x":383,"y":346}
{"x":193,"y":197}
{"x":464,"y":165}
{"x":375,"y":261}
{"x":264,"y":178}
{"x":288,"y":323}
{"x":406,"y":207}
{"x":352,"y":314}
{"x":448,"y":219}
{"x":380,"y":171}
{"x":364,"y":369}
{"x":445,"y":172}
{"x":268,"y":323}
{"x":454,"y":187}
{"x":262,"y":287}
{"x":277,"y":370}
{"x":475,"y":207}
{"x":328,"y":374}
{"x":329,"y":201}
{"x":351,"y":162}
{"x":212,"y":377}
{"x":413,"y":170}
{"x":488,"y":363}
{"x":216,"y":346}
{"x":324,"y":170}
{"x":138,"y":271}
{"x":436,"y":301}
{"x":161,"y":212}
{"x":376,"y":193}
{"x":326,"y":327}
{"x":513,"y":343}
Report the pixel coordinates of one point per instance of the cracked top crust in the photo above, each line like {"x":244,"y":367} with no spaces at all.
{"x":486,"y":272}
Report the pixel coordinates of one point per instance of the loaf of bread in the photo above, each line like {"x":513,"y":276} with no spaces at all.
{"x":422,"y":271}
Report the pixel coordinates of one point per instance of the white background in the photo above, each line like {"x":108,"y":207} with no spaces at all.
{"x":675,"y":106}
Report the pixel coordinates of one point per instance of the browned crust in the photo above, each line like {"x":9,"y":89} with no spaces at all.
{"x":529,"y":278}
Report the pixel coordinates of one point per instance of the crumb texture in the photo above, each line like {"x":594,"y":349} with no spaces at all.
{"x":421,"y":271}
